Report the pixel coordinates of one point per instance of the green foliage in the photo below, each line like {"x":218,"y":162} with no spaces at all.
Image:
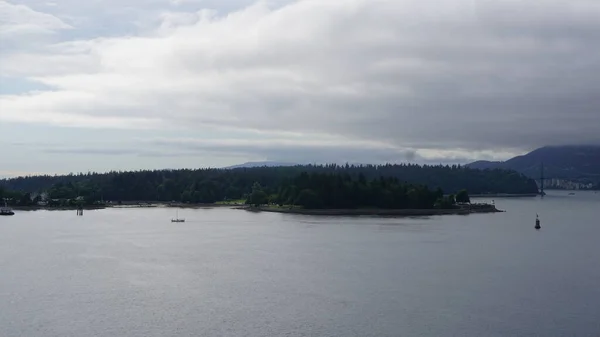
{"x":15,"y":198}
{"x":463,"y":196}
{"x":309,"y":199}
{"x":351,"y":186}
{"x":342,"y":191}
{"x":258,"y":196}
{"x":447,"y":202}
{"x":86,"y":190}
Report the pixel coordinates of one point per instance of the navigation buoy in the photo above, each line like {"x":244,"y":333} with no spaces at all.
{"x":537,"y":222}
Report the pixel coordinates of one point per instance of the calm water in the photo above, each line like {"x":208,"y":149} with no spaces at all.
{"x":122,"y":272}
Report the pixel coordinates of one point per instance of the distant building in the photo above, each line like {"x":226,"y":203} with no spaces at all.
{"x":564,"y":184}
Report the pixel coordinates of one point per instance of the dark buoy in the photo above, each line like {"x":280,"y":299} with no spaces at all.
{"x":537,"y":222}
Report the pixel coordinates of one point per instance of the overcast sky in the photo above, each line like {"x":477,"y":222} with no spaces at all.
{"x":131,"y":84}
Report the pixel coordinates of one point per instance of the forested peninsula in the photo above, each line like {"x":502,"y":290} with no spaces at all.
{"x":307,"y":186}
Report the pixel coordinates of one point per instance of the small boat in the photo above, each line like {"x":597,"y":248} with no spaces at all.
{"x":6,"y":210}
{"x":177,"y":219}
{"x":537,"y":222}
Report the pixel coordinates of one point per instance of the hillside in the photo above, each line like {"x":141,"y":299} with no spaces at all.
{"x":578,"y":163}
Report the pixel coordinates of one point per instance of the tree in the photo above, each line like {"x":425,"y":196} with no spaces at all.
{"x":309,"y":199}
{"x":463,"y":196}
{"x":186,"y":196}
{"x":25,"y":200}
{"x":445,"y":202}
{"x":258,"y":196}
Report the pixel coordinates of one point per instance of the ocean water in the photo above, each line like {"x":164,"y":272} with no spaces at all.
{"x":224,"y":272}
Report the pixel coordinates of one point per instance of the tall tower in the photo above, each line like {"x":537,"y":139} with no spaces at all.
{"x":542,"y":193}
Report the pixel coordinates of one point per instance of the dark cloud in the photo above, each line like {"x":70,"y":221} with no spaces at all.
{"x":459,"y":77}
{"x":302,"y":151}
{"x":115,"y":152}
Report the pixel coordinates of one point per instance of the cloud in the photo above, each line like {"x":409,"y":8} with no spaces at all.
{"x":20,"y":19}
{"x":180,"y":2}
{"x":451,"y":80}
{"x":324,"y":150}
{"x":113,"y":152}
{"x":218,"y":152}
{"x":11,"y":174}
{"x":22,"y":28}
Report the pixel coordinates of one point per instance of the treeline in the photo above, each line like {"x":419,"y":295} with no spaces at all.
{"x":17,"y":198}
{"x":212,"y":185}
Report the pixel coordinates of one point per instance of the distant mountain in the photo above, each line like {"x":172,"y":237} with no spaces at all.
{"x":261,"y":164}
{"x":485,"y":165}
{"x":562,"y":162}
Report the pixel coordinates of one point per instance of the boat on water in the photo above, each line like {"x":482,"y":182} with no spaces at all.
{"x":537,"y":222}
{"x":177,"y":219}
{"x":5,"y":210}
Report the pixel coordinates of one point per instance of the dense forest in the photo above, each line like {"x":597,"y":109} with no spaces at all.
{"x":17,"y":197}
{"x":212,"y":185}
{"x":342,"y":191}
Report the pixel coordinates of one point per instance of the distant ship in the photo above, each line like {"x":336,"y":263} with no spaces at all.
{"x":6,"y":210}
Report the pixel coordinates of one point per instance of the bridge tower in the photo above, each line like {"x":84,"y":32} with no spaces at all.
{"x":542,"y":179}
{"x":542,"y":193}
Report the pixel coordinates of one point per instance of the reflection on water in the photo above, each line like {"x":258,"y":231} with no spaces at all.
{"x":131,"y":272}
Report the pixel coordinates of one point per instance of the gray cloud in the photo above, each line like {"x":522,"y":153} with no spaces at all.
{"x":115,"y":152}
{"x":307,"y":151}
{"x":458,"y":76}
{"x":293,"y":151}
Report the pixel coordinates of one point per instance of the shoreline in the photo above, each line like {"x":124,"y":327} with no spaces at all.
{"x":504,"y":195}
{"x":124,"y":205}
{"x":473,"y":209}
{"x":58,"y":208}
{"x":373,"y":212}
